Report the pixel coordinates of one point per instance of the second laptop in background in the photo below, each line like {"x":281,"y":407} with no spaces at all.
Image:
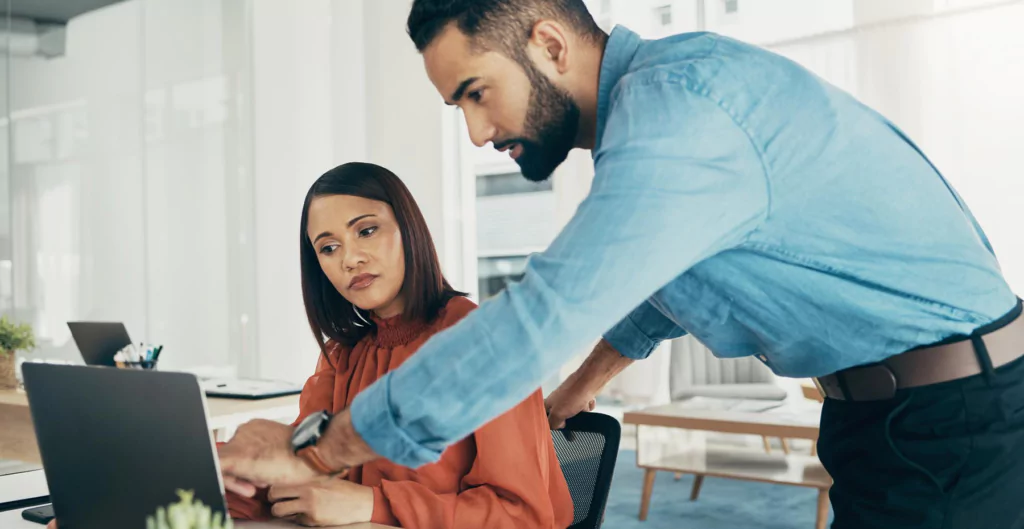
{"x":98,"y":342}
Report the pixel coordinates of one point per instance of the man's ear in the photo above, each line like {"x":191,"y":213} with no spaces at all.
{"x":551,"y":39}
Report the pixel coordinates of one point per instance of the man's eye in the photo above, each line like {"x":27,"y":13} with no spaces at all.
{"x":476,"y":95}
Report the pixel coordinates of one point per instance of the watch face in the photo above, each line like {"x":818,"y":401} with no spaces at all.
{"x":308,"y":431}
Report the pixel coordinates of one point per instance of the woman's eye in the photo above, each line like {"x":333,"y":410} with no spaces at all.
{"x":476,"y":95}
{"x":366,"y":232}
{"x":328,"y":249}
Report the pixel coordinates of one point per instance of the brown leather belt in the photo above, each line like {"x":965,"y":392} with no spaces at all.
{"x":925,"y":366}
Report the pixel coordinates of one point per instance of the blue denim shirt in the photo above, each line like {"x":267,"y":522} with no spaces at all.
{"x":737,"y":197}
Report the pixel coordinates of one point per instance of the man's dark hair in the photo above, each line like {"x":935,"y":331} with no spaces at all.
{"x":497,"y":25}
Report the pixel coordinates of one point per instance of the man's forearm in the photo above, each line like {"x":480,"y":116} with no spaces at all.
{"x":341,"y":447}
{"x":603,"y":364}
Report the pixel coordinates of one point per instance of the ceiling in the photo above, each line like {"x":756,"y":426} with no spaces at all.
{"x":54,"y":11}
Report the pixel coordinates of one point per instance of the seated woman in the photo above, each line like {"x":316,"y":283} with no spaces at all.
{"x":372,"y":285}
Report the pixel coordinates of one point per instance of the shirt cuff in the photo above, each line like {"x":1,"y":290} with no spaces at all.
{"x":631,"y":342}
{"x":374,"y":421}
{"x":382,"y":514}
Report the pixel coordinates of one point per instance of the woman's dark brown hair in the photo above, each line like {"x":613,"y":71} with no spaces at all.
{"x":425,"y":289}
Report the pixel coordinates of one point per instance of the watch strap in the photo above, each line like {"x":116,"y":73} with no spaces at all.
{"x":311,"y":456}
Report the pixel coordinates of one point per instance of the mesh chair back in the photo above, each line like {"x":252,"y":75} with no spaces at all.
{"x":586,"y":449}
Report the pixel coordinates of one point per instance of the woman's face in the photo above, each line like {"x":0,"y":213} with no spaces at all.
{"x":359,"y":246}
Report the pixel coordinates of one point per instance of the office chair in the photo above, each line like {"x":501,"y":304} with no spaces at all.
{"x":695,"y":372}
{"x":586,"y":449}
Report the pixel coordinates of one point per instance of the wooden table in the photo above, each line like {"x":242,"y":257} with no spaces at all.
{"x":811,"y":391}
{"x":18,"y":438}
{"x":690,"y":453}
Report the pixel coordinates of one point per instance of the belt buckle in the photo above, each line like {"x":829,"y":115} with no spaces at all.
{"x":871,"y":382}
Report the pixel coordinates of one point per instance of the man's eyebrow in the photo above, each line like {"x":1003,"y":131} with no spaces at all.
{"x":461,"y":90}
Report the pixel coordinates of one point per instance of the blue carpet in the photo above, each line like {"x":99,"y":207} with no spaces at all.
{"x":723,"y":503}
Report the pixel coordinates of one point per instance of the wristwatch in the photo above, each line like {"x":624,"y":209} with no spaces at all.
{"x":305,"y":437}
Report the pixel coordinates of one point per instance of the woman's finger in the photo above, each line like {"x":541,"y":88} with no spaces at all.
{"x":284,"y":509}
{"x":240,"y":487}
{"x":285,"y":492}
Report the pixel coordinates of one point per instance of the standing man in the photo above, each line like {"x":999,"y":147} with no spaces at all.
{"x":741,"y":199}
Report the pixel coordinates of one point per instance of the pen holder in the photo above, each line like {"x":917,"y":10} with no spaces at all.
{"x":143,"y":364}
{"x":140,"y":356}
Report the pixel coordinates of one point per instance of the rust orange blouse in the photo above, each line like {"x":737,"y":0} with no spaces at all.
{"x":505,"y":475}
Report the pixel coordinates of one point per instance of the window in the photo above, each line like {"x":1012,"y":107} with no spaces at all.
{"x":663,"y":16}
{"x":731,"y":6}
{"x":495,"y":273}
{"x":508,"y":184}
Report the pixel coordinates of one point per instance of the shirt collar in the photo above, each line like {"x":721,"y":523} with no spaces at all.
{"x":618,"y":55}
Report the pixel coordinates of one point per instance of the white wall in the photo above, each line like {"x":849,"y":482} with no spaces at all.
{"x":337,"y":81}
{"x":119,"y":195}
{"x":762,"y":22}
{"x":58,"y":270}
{"x":195,"y":74}
{"x":293,"y":145}
{"x":952,"y":82}
{"x":159,"y":168}
{"x":406,"y":113}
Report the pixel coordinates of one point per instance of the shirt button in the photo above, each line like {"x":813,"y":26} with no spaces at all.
{"x":763,"y":358}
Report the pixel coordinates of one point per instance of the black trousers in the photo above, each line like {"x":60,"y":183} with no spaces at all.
{"x":947,"y":456}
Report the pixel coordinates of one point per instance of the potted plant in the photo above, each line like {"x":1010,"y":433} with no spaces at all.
{"x":14,"y":337}
{"x":188,"y":513}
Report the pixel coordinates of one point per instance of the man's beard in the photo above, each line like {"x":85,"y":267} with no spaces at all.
{"x":549,"y":132}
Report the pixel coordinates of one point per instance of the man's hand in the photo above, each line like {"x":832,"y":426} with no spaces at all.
{"x":566,"y":402}
{"x":577,"y":393}
{"x":260,"y":454}
{"x":341,"y":447}
{"x":324,"y":502}
{"x":238,"y":486}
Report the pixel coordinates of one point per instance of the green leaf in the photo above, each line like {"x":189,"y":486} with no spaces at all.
{"x":15,"y":337}
{"x":188,"y":513}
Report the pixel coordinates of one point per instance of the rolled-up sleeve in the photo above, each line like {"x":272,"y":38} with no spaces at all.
{"x":677,"y":181}
{"x":640,"y":332}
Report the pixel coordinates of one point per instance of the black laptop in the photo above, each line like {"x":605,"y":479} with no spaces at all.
{"x":117,"y":443}
{"x":99,"y":341}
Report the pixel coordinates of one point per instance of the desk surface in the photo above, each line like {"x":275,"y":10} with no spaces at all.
{"x":218,"y":407}
{"x":13,"y":520}
{"x":33,"y":484}
{"x":723,"y":415}
{"x":23,"y":486}
{"x":18,"y":441}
